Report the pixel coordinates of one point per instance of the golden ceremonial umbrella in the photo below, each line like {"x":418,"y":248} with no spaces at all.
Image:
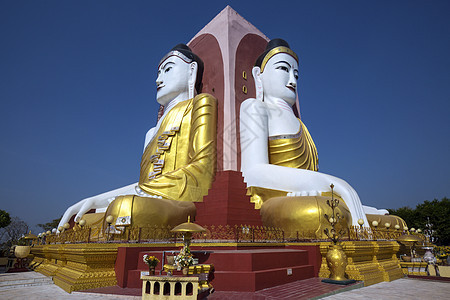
{"x":409,"y":241}
{"x":30,"y":236}
{"x":188,"y":227}
{"x":409,"y":238}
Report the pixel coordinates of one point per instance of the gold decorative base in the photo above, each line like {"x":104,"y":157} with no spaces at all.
{"x":388,"y":263}
{"x":53,"y":259}
{"x":415,"y":268}
{"x":336,"y":262}
{"x":77,"y":267}
{"x":368,"y":261}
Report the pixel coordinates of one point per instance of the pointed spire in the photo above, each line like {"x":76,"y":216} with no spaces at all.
{"x":217,"y":43}
{"x":222,"y":24}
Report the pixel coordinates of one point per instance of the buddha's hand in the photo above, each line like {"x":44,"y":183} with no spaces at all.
{"x":83,"y":207}
{"x":74,"y":209}
{"x":320,"y":183}
{"x":304,"y":193}
{"x":344,"y":190}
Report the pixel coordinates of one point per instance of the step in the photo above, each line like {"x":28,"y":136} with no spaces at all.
{"x":245,"y":281}
{"x":244,"y":270}
{"x":257,"y":259}
{"x":11,"y":281}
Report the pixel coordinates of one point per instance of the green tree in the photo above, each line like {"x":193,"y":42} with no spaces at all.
{"x":436,"y":212}
{"x":5,"y":219}
{"x":406,"y":213}
{"x":50,"y":225}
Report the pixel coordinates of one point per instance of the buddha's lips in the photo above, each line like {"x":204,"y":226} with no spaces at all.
{"x":291,"y":88}
{"x":159,"y":87}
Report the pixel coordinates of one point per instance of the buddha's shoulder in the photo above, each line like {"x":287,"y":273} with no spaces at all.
{"x":252,"y":105}
{"x":204,"y":99}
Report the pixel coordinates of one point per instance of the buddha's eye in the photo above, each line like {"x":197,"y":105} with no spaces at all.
{"x":296,"y":76}
{"x":283,"y":68}
{"x":168,"y":69}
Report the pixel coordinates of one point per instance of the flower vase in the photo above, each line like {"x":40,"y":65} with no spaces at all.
{"x":151,"y":270}
{"x":185,"y":270}
{"x":22,"y":251}
{"x":336,"y":261}
{"x":428,"y":257}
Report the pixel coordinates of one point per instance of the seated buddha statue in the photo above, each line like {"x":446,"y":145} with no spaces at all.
{"x":179,"y":159}
{"x":279,"y":159}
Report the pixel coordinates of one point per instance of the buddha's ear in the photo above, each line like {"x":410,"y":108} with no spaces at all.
{"x":193,"y":67}
{"x":256,"y":72}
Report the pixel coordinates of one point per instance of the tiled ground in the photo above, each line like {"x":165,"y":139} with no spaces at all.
{"x":400,"y":289}
{"x":115,"y":290}
{"x":35,"y":286}
{"x":303,"y":289}
{"x":405,"y":288}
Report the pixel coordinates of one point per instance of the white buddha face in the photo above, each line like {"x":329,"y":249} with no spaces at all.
{"x":173,"y":79}
{"x":279,"y":79}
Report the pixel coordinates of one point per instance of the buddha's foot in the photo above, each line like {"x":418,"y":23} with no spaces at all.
{"x":132,"y":210}
{"x":302,"y":216}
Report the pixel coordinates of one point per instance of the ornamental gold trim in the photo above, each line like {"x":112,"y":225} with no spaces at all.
{"x":177,"y":54}
{"x":275,"y":51}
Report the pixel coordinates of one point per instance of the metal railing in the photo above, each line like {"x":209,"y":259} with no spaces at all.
{"x":356,"y":233}
{"x":213,"y":234}
{"x":159,"y":234}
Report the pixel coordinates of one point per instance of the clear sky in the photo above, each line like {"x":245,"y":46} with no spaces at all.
{"x":77,"y":92}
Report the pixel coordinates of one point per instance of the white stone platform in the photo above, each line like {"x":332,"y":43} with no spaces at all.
{"x":35,"y":286}
{"x":23,"y":279}
{"x":32,"y":285}
{"x":401,"y":289}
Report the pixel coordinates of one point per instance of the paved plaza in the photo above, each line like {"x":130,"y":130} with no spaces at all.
{"x":35,"y":286}
{"x":404,"y":288}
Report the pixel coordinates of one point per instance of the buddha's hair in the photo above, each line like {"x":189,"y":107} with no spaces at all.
{"x":191,"y":55}
{"x":274,"y":43}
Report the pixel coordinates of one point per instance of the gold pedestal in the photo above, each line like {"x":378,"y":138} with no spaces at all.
{"x":368,"y":261}
{"x":336,"y":262}
{"x":386,"y":257}
{"x":53,"y":259}
{"x":415,"y":268}
{"x":77,"y":267}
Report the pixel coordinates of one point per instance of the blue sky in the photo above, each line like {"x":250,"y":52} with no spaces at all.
{"x":77,"y":92}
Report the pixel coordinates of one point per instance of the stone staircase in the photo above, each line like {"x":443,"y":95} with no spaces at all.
{"x":23,"y":279}
{"x":255,"y":269}
{"x":246,"y":270}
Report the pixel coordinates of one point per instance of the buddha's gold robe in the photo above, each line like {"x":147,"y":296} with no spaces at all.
{"x":178,"y":165}
{"x":300,"y":214}
{"x":293,"y":151}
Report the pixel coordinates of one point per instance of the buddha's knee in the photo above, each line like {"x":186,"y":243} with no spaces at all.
{"x":302,"y":216}
{"x":144,"y":211}
{"x":383,"y":219}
